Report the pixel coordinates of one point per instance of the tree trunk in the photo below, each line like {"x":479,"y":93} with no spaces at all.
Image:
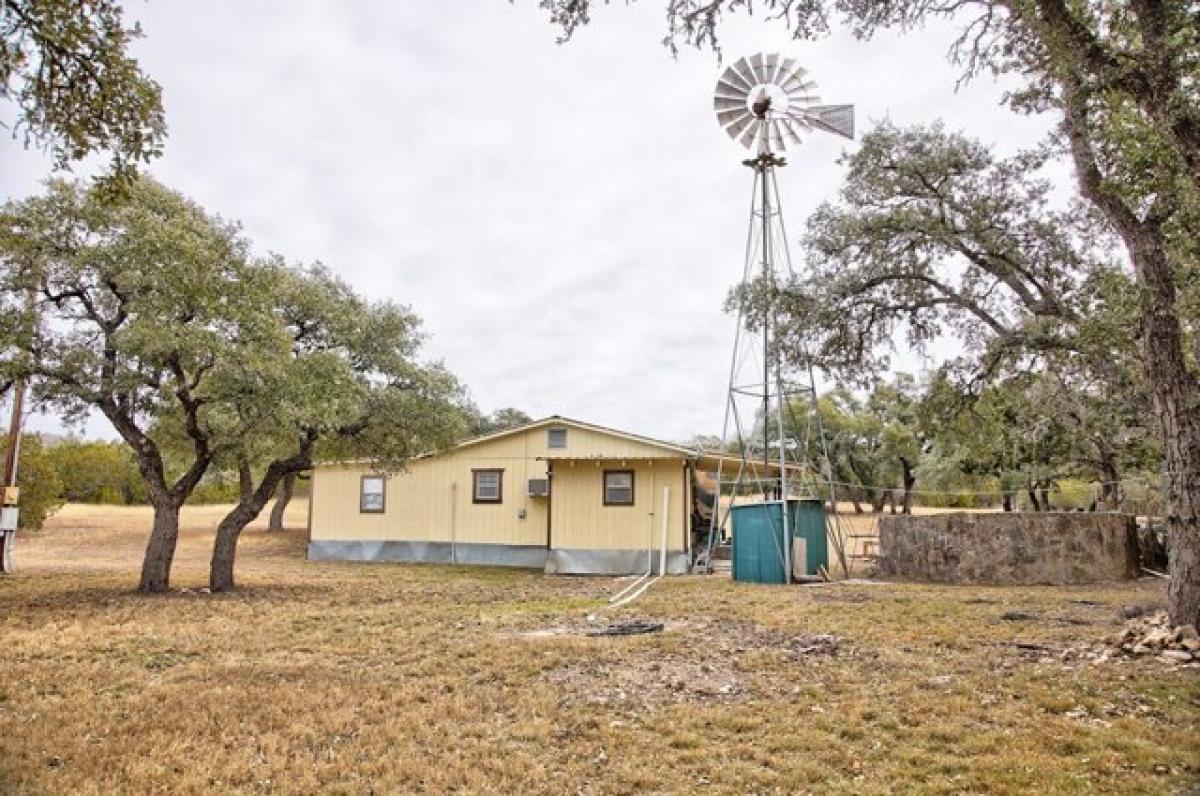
{"x":220,"y":573}
{"x":1006,"y":501}
{"x":1110,"y":488}
{"x":1174,"y":392}
{"x":910,"y":481}
{"x":160,"y":551}
{"x":282,"y":497}
{"x":1033,"y":499}
{"x":1045,"y":495}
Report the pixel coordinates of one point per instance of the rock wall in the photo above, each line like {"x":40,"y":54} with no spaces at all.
{"x":1009,"y":547}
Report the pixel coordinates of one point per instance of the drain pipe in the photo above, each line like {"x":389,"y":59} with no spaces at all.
{"x":662,"y":557}
{"x":453,"y":518}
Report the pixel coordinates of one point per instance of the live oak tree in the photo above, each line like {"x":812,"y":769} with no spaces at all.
{"x":1123,"y":80}
{"x":934,"y":238}
{"x":348,"y":387}
{"x":66,"y":69}
{"x":149,"y":314}
{"x":500,"y":420}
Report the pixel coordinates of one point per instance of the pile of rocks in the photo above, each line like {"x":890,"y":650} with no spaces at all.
{"x":1153,"y":635}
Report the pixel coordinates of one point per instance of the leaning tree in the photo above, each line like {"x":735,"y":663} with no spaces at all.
{"x":147,"y":313}
{"x":349,"y":386}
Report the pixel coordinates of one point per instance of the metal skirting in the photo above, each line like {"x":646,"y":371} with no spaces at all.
{"x":612,"y":562}
{"x":563,"y":562}
{"x":497,"y":555}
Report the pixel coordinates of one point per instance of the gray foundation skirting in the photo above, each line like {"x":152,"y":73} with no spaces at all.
{"x":499,"y":555}
{"x":612,"y":562}
{"x":563,"y":562}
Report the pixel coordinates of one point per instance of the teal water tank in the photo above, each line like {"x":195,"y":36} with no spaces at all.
{"x":759,"y":555}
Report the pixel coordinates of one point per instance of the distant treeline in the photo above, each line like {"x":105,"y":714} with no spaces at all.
{"x":56,"y":471}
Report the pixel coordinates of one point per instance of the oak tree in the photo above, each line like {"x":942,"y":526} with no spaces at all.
{"x":65,"y":67}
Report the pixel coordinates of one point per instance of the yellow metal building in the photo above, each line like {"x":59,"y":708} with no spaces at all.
{"x":557,"y":493}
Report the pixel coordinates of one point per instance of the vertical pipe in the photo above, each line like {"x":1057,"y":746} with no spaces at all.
{"x":453,"y":522}
{"x":666,"y":513}
{"x":783,"y":491}
{"x":766,"y":272}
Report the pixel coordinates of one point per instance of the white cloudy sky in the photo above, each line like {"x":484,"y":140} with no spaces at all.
{"x":566,"y":219}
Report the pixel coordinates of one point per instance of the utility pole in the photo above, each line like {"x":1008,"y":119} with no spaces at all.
{"x":9,"y":492}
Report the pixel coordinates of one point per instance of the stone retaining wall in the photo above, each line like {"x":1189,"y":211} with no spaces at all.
{"x":1009,"y":547}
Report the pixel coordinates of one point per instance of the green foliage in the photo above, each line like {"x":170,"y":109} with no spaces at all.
{"x":38,"y":480}
{"x":152,"y":313}
{"x":97,"y":472}
{"x":215,"y":488}
{"x":66,"y":68}
{"x":499,"y":420}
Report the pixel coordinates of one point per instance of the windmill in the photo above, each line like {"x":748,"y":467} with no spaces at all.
{"x":767,"y":103}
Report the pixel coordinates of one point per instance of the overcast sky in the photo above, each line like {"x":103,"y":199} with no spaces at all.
{"x":566,"y":219}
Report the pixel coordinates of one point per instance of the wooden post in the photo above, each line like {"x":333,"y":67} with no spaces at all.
{"x":9,"y":513}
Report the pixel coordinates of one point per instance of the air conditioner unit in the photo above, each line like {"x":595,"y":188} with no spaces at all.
{"x":538,"y":487}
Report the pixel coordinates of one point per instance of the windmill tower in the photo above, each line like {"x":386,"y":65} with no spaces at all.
{"x":766,"y":103}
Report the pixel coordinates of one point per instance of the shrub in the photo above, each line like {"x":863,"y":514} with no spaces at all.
{"x":38,"y":480}
{"x":98,"y":472}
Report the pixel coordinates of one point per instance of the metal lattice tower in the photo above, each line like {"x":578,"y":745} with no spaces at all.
{"x":766,"y":102}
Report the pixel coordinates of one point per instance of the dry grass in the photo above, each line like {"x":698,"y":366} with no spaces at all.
{"x":393,"y":678}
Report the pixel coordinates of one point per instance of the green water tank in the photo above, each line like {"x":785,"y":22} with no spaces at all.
{"x":758,"y":552}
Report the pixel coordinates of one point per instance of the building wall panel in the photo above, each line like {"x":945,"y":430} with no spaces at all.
{"x":581,"y":521}
{"x":432,"y":501}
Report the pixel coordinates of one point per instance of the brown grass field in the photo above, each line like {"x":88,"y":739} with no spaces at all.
{"x":376,"y":678}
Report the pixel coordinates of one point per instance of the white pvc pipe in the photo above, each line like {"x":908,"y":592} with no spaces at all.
{"x":619,"y":601}
{"x":666,"y":512}
{"x":649,"y":553}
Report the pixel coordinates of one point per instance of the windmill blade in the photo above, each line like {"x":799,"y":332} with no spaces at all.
{"x":799,"y":117}
{"x":743,"y":70}
{"x":751,"y":135}
{"x":739,"y":125}
{"x":732,"y":79}
{"x":730,"y":115}
{"x":794,"y":79}
{"x":802,"y":87}
{"x":729,"y":90}
{"x":775,"y":136}
{"x":721,"y":103}
{"x":805,"y":101}
{"x":771,"y":65}
{"x":793,"y":136}
{"x":756,"y":66}
{"x":838,"y":119}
